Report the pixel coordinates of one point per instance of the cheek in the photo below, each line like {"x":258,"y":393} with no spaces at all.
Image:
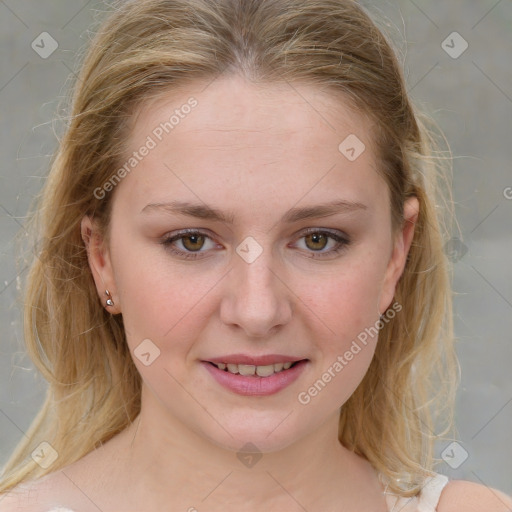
{"x":159,"y":300}
{"x":342,"y":309}
{"x":348,"y":299}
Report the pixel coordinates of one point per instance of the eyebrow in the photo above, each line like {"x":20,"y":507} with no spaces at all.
{"x":202,"y":211}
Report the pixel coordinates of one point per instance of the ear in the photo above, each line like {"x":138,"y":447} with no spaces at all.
{"x":402,"y":244}
{"x":98,"y":257}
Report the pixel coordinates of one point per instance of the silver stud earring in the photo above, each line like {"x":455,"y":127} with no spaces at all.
{"x":109,"y":301}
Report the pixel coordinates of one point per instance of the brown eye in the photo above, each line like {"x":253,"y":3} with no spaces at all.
{"x":316,"y":241}
{"x":322,"y":243}
{"x":193,"y":242}
{"x":189,"y":244}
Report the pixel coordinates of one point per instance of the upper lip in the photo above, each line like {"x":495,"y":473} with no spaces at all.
{"x":265,"y":360}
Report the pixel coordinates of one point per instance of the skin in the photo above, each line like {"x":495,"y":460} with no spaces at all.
{"x":255,"y":152}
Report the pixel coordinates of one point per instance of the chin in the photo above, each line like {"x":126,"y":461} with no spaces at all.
{"x":256,"y":434}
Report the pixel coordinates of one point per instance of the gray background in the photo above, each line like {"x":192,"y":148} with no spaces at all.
{"x":469,"y":96}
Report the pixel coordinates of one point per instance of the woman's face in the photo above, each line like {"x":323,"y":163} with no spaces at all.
{"x":290,"y":257}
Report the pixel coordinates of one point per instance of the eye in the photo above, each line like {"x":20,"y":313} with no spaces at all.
{"x":191,"y":242}
{"x":188,"y":244}
{"x":318,"y":240}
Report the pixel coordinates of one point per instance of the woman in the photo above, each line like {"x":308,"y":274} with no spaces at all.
{"x":240,"y":299}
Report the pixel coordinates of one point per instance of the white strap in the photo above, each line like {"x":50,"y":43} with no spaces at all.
{"x":426,"y":501}
{"x":431,"y":492}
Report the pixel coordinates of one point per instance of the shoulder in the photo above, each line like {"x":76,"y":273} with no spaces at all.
{"x":465,"y":496}
{"x":35,"y":496}
{"x":10,"y":503}
{"x":19,"y":499}
{"x":50,"y":492}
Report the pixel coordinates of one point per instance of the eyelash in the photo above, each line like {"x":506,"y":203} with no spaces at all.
{"x":342,"y":242}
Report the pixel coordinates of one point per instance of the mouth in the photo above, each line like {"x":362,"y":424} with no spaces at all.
{"x":250,"y":370}
{"x":255,"y":380}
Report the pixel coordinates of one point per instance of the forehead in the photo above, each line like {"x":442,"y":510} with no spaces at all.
{"x":264,"y":137}
{"x":261,"y":111}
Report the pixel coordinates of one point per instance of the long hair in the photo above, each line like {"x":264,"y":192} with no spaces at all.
{"x":146,"y":48}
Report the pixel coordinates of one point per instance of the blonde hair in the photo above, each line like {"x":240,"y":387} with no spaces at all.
{"x":148,"y":47}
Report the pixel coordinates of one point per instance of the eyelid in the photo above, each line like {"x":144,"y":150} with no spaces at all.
{"x":328,"y":231}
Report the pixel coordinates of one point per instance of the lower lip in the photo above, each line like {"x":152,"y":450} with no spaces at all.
{"x":254,"y":385}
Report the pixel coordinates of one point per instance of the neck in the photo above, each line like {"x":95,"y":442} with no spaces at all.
{"x":173,"y":465}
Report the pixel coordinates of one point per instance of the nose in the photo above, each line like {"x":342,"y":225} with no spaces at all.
{"x":257,"y":299}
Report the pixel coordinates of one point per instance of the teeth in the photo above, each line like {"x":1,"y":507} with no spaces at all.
{"x":265,"y":371}
{"x":249,"y":369}
{"x":232,"y":368}
{"x":246,"y":369}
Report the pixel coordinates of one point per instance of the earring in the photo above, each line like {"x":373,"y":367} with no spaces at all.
{"x":109,"y":301}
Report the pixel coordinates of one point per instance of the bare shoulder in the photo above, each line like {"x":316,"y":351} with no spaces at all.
{"x":68,"y":489}
{"x":9,"y":502}
{"x":465,"y":496}
{"x":35,"y":496}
